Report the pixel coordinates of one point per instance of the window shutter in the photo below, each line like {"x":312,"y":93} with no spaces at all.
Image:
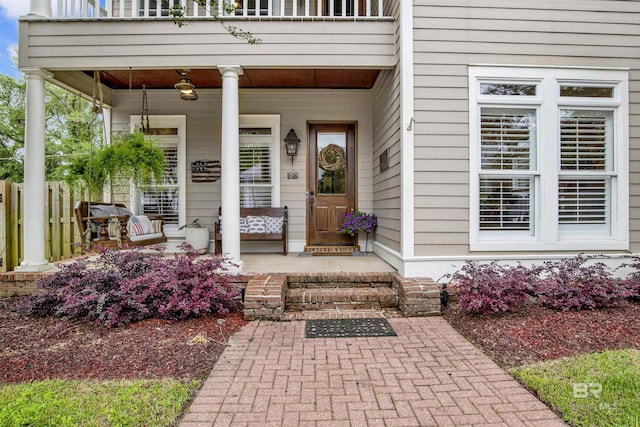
{"x":583,"y":201}
{"x":583,"y":140}
{"x":255,"y":175}
{"x":505,"y":204}
{"x":255,"y":164}
{"x":506,"y":139}
{"x":163,"y":197}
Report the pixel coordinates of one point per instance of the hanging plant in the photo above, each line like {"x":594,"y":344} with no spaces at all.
{"x":133,"y":156}
{"x":130,"y":157}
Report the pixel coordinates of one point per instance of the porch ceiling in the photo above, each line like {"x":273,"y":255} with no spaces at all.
{"x":252,"y":78}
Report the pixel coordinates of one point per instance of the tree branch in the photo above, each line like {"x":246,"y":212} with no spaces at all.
{"x":179,"y":12}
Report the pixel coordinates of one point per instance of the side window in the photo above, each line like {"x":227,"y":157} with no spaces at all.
{"x":259,"y":152}
{"x":164,"y":197}
{"x":167,"y":197}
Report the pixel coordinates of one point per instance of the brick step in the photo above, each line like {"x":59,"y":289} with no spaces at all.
{"x":339,"y":285}
{"x":339,"y":280}
{"x":342,"y":314}
{"x":356,"y":298}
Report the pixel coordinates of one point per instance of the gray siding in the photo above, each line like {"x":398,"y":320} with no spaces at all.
{"x":451,"y":35}
{"x":120,"y":44}
{"x":386,"y":135}
{"x":295,"y":109}
{"x":387,"y":190}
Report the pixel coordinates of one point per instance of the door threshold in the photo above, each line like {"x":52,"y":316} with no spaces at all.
{"x":331,"y":251}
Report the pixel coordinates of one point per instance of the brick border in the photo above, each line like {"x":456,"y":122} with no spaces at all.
{"x":418,"y":296}
{"x":14,"y":283}
{"x":264,"y":297}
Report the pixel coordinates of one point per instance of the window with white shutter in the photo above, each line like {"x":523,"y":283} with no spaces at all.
{"x":585,"y":171}
{"x":256,"y":187}
{"x":507,"y":163}
{"x":548,"y":159}
{"x":259,"y":152}
{"x":168,"y":196}
{"x":164,"y":197}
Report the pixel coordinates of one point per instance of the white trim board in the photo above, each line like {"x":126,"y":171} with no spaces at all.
{"x":437,"y":267}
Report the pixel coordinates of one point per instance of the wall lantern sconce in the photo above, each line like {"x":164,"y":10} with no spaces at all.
{"x":291,"y":142}
{"x":186,"y":88}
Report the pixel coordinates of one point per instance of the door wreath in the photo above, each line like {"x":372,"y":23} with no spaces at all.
{"x":332,"y":158}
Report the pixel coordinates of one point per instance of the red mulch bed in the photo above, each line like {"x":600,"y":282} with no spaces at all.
{"x":537,"y":333}
{"x":33,"y":349}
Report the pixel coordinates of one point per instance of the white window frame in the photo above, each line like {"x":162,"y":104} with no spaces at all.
{"x":545,"y":235}
{"x":271,"y":121}
{"x":179,"y":122}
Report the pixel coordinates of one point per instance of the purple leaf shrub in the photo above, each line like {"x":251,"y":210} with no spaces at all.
{"x":566,"y":284}
{"x":572,"y":284}
{"x":493,"y":288}
{"x":126,"y":286}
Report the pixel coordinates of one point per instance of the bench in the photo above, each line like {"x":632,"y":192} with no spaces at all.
{"x":246,"y":234}
{"x":102,"y":215}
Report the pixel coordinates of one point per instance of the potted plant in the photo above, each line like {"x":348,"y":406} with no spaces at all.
{"x":358,"y":221}
{"x":196,"y":236}
{"x":131,"y":157}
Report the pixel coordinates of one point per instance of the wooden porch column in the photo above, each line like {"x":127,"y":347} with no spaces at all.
{"x":33,"y":226}
{"x":41,"y":8}
{"x":230,"y":179}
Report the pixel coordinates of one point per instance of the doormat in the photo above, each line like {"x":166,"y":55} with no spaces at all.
{"x":349,"y":328}
{"x":331,"y":251}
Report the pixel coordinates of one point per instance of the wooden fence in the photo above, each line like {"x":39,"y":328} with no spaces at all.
{"x":62,"y":239}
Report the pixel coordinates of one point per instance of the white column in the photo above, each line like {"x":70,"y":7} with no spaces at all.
{"x":41,"y":8}
{"x":33,"y":222}
{"x":230,"y":179}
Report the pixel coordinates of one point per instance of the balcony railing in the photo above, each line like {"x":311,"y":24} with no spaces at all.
{"x":347,"y":9}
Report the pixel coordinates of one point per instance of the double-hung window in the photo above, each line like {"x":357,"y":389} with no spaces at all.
{"x":259,"y":161}
{"x":548,"y":159}
{"x":168,"y":196}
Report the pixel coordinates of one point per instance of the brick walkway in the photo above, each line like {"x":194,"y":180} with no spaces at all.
{"x":427,"y":376}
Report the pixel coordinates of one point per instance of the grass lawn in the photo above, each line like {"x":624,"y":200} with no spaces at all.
{"x":95,"y":403}
{"x":598,"y":389}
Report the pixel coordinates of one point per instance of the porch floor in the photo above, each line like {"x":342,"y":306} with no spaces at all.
{"x":257,"y":263}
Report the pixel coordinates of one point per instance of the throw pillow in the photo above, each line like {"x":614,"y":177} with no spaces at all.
{"x":244,"y":227}
{"x":273,"y":224}
{"x":134,"y":227}
{"x":256,"y":224}
{"x":157,"y":225}
{"x":147,"y":228}
{"x":114,"y":228}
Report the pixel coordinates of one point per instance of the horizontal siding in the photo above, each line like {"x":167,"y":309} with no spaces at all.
{"x":204,"y":130}
{"x":449,"y":37}
{"x":117,"y":44}
{"x":387,"y":185}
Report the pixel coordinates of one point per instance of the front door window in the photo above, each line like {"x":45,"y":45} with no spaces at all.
{"x":332,"y":182}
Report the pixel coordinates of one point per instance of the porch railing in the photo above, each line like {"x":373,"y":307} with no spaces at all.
{"x":98,"y":9}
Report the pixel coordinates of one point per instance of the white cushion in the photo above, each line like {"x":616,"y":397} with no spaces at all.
{"x":145,"y":237}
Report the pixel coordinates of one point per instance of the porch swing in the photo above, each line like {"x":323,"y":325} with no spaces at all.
{"x":112,"y":225}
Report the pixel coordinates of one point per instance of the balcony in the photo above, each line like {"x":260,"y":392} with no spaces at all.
{"x":227,"y":9}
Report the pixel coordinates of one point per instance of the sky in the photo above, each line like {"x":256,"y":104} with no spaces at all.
{"x":10,"y":10}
